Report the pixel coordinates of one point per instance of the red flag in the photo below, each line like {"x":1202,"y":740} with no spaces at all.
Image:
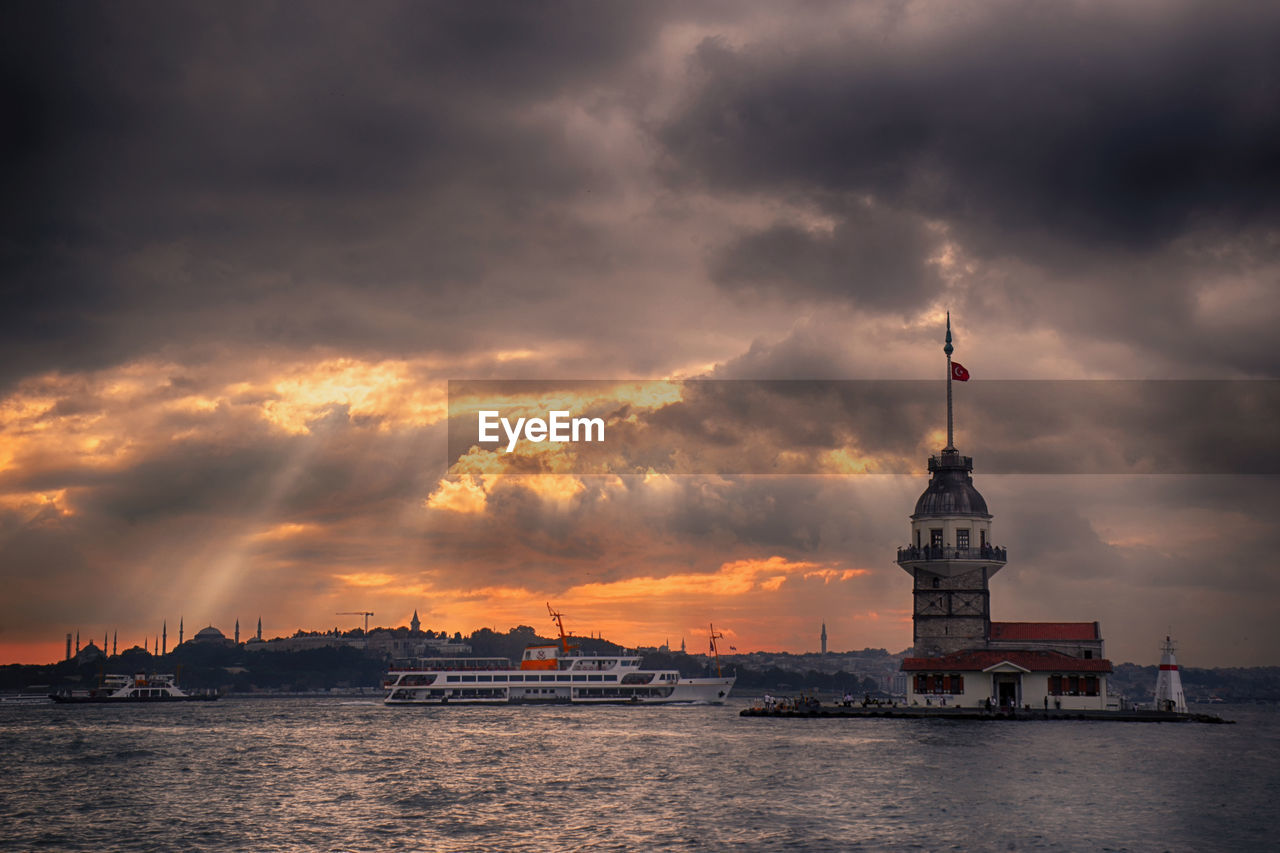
{"x":958,"y":373}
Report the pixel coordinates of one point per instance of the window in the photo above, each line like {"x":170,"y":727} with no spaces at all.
{"x":579,"y":678}
{"x":1088,"y":654}
{"x":935,"y":537}
{"x":468,"y":678}
{"x":451,"y":678}
{"x":962,"y":540}
{"x":937,"y":583}
{"x":952,"y":683}
{"x":982,"y":538}
{"x":1091,"y":685}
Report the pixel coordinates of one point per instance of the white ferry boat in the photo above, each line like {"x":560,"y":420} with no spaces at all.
{"x":135,"y":688}
{"x":550,"y":674}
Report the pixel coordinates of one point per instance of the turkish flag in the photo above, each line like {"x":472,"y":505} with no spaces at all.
{"x":958,"y":373}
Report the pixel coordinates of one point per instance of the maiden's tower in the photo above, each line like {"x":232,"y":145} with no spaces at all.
{"x":960,"y":657}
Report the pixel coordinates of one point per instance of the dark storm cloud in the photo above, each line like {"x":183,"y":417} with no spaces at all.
{"x":1087,"y":123}
{"x":877,"y":258}
{"x":297,"y":174}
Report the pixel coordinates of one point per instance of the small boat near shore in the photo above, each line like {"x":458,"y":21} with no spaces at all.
{"x":134,"y":688}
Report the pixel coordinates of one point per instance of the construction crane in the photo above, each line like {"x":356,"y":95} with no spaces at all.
{"x":365,"y":613}
{"x":564,"y":638}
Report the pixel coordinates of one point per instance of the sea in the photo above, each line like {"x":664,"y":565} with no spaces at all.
{"x":331,"y":773}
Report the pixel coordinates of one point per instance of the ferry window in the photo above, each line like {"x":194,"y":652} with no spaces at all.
{"x":515,"y":678}
{"x":595,"y":678}
{"x":485,"y":677}
{"x":962,"y":539}
{"x":451,"y":678}
{"x":611,"y":678}
{"x":579,"y":678}
{"x":548,"y":678}
{"x":468,"y":678}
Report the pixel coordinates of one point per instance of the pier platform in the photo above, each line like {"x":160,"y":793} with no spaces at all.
{"x":881,"y":712}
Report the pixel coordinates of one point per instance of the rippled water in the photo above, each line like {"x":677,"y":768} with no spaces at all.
{"x":329,"y":774}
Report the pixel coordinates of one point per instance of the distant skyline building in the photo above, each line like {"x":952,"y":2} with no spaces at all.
{"x":415,"y":625}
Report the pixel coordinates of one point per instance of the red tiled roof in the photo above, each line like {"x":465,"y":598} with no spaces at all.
{"x":977,"y":661}
{"x":1045,"y":631}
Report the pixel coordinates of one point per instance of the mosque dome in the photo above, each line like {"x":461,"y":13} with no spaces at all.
{"x":951,"y":490}
{"x":210,"y":633}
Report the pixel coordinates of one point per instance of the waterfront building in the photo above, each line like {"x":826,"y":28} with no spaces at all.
{"x":959,"y":656}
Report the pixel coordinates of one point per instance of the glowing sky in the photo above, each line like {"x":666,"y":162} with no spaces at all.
{"x":247,"y":245}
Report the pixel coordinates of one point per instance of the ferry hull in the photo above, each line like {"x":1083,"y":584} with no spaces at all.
{"x":686,"y":691}
{"x":64,"y":699}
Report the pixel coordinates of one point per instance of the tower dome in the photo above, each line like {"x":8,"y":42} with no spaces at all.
{"x":209,"y":634}
{"x":951,"y":491}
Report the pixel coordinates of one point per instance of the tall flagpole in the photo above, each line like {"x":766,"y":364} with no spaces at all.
{"x":948,"y":349}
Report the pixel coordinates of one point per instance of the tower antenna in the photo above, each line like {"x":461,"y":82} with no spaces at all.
{"x":948,"y":349}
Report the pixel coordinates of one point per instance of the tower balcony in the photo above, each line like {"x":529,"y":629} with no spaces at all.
{"x":928,"y":553}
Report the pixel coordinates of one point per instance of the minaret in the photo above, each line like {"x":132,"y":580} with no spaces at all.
{"x":950,"y":557}
{"x":68,"y":645}
{"x":414,"y":624}
{"x":1169,"y":695}
{"x":179,"y":630}
{"x":145,"y":647}
{"x":259,"y":627}
{"x":164,"y":637}
{"x":115,"y":640}
{"x":77,"y":641}
{"x":237,"y":632}
{"x":824,"y":638}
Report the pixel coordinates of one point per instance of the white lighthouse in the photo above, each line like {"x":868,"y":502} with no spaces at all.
{"x":1169,"y":695}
